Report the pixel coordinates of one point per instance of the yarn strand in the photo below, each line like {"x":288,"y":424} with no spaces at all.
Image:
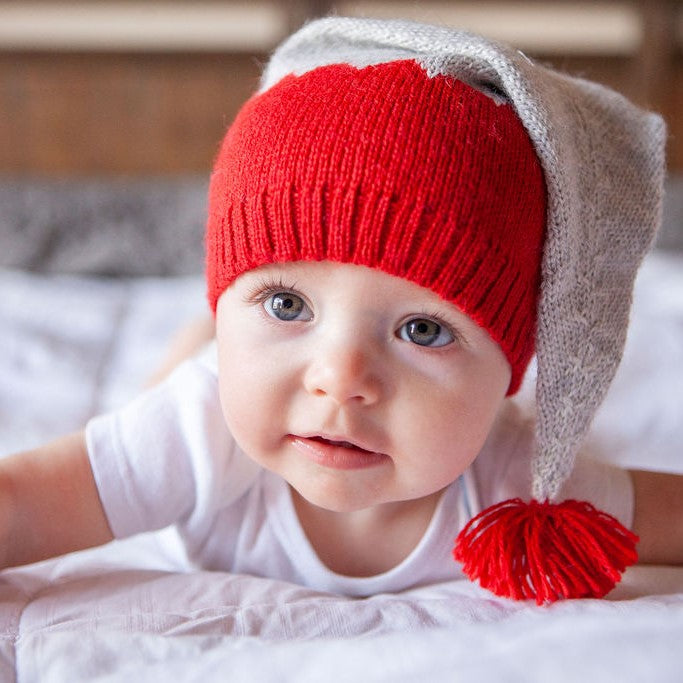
{"x":545,"y":551}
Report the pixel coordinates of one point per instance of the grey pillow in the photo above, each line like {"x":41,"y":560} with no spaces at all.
{"x":106,"y":227}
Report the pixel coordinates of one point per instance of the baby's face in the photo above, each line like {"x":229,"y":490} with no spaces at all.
{"x":357,"y":387}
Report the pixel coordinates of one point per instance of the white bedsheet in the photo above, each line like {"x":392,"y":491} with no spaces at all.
{"x":73,"y":347}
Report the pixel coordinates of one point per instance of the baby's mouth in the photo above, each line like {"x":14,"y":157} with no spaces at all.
{"x":337,"y":453}
{"x":341,"y":444}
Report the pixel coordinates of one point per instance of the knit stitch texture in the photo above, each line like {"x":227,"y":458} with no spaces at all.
{"x":424,"y":178}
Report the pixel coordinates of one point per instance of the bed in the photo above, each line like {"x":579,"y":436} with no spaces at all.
{"x":94,"y":279}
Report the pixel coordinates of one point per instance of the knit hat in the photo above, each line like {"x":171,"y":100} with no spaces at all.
{"x":526,"y":197}
{"x":425,"y":178}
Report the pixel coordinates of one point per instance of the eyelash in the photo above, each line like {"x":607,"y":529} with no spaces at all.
{"x":264,"y":289}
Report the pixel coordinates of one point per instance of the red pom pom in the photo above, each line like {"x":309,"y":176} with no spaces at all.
{"x":545,"y":551}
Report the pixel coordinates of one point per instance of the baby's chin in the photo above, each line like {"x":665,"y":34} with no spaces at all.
{"x":347,"y":503}
{"x":329,"y":502}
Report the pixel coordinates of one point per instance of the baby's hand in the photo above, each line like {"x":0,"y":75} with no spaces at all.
{"x":658,"y":518}
{"x":49,"y":504}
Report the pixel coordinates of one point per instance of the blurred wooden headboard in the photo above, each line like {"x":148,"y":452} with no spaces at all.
{"x":146,"y":88}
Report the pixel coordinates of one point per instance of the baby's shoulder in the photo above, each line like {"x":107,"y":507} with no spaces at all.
{"x":503,"y":467}
{"x":207,"y":358}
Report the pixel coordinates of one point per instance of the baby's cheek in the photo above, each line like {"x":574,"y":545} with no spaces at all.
{"x":233,"y":404}
{"x":240,"y":423}
{"x":246,"y":416}
{"x":454,"y":430}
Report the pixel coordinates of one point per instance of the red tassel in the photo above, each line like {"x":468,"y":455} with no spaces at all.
{"x":545,"y":551}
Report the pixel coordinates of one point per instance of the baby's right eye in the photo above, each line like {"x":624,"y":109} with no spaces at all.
{"x":287,"y":306}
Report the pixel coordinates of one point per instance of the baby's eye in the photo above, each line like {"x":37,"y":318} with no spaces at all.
{"x":425,"y":332}
{"x":287,"y":306}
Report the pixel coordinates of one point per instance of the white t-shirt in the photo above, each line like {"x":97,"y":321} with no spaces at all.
{"x":168,"y":459}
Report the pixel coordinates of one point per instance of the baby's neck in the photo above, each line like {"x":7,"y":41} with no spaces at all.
{"x":365,"y":542}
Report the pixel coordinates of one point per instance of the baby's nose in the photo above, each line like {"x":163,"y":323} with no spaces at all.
{"x":344,"y":373}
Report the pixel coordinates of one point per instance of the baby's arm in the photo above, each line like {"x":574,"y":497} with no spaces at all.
{"x":658,"y":518}
{"x":49,"y":503}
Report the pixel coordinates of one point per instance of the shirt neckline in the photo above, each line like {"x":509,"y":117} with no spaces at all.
{"x":286,"y":522}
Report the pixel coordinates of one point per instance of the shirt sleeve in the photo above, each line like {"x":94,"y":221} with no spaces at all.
{"x":503,"y":471}
{"x":167,"y":457}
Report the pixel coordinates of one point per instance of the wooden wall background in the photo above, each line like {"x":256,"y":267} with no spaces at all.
{"x":94,"y":106}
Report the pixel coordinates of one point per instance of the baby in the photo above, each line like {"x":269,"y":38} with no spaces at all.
{"x":399,"y":220}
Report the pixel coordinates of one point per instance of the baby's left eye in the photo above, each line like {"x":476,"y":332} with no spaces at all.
{"x":425,"y":332}
{"x":287,"y":306}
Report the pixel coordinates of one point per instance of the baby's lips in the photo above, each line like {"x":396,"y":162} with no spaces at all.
{"x":341,"y":441}
{"x":342,"y":444}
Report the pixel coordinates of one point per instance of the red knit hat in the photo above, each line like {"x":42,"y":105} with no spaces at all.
{"x":425,"y":178}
